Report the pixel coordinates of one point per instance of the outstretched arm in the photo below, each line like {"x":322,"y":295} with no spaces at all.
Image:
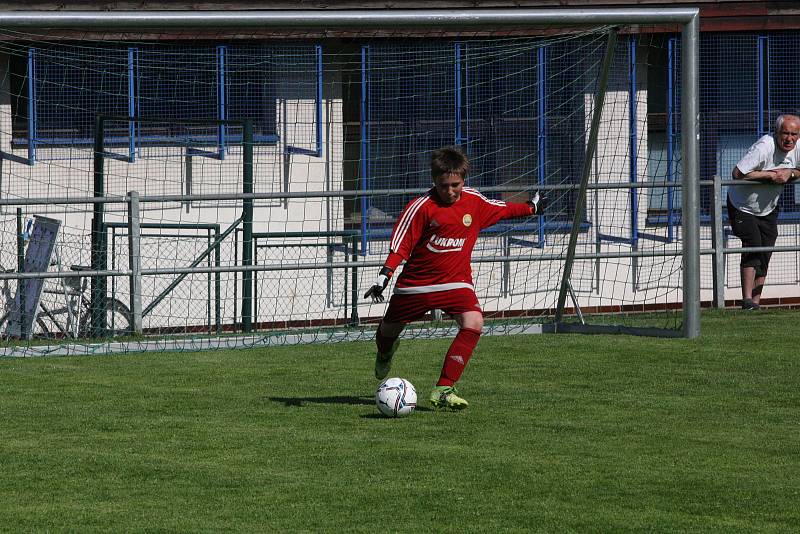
{"x":496,"y":210}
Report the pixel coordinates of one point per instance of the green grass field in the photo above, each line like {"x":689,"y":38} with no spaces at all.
{"x":564,"y":433}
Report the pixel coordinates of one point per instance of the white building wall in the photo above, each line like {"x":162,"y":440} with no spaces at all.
{"x":295,"y":296}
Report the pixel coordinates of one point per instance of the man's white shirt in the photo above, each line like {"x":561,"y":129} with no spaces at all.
{"x":761,"y":198}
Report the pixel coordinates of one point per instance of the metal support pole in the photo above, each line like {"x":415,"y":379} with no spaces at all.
{"x":20,"y":283}
{"x":591,"y":145}
{"x":690,"y":209}
{"x":217,"y":283}
{"x":505,"y":285}
{"x":187,"y":182}
{"x":329,"y":274}
{"x":209,"y":288}
{"x":718,"y":242}
{"x":20,"y":242}
{"x":247,"y":227}
{"x":135,"y":261}
{"x":332,"y":18}
{"x":98,"y":259}
{"x":356,"y":239}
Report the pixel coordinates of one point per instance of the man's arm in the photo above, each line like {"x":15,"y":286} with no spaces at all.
{"x":771,"y":176}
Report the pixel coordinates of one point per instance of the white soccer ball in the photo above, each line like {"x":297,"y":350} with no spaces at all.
{"x":396,"y":397}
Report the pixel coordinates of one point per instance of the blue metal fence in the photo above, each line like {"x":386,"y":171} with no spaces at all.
{"x":67,"y":87}
{"x":67,"y":83}
{"x":746,"y":81}
{"x":517,"y":107}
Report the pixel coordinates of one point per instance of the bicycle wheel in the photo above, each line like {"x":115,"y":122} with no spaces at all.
{"x":119,"y":320}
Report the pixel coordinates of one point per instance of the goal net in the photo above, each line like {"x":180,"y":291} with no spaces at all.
{"x":280,"y":246}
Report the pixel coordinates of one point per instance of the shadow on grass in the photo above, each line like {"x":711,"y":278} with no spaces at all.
{"x":338,"y":399}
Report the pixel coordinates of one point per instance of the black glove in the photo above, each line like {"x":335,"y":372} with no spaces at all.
{"x":376,"y":291}
{"x":538,"y":203}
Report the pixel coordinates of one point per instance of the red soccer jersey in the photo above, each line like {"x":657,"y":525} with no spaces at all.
{"x":437,"y":239}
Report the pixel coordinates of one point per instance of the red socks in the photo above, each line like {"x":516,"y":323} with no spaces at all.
{"x":458,"y":355}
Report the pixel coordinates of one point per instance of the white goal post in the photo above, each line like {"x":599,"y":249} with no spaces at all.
{"x":679,"y":20}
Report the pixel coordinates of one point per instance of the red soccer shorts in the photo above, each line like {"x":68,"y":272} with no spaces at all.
{"x":412,"y":307}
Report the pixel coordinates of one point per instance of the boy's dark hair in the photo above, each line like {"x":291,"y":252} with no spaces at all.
{"x":449,"y":160}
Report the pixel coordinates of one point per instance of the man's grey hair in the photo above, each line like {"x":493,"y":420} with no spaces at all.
{"x":782,"y":118}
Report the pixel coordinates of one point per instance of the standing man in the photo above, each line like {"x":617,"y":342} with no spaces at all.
{"x":435,"y":236}
{"x":753,"y":208}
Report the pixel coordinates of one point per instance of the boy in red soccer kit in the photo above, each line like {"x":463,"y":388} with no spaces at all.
{"x":435,"y":236}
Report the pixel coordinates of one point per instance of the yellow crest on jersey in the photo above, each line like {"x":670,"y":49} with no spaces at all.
{"x":467,"y":219}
